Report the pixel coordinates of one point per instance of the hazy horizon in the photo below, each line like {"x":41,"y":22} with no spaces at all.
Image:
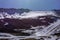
{"x":31,"y":4}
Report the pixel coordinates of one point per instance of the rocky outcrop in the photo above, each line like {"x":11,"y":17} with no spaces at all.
{"x":8,"y":24}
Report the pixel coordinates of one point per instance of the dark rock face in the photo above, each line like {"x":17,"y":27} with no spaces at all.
{"x":7,"y":24}
{"x":57,"y":12}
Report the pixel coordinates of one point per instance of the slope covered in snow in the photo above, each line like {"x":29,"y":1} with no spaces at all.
{"x":34,"y":14}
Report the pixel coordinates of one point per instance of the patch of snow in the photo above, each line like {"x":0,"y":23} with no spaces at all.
{"x":2,"y":20}
{"x":42,"y":18}
{"x":16,"y":15}
{"x":6,"y":23}
{"x":1,"y":16}
{"x":28,"y":31}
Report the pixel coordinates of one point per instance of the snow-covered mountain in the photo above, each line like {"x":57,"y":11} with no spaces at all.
{"x":31,"y":14}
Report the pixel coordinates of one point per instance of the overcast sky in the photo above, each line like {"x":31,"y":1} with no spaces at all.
{"x":31,"y":4}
